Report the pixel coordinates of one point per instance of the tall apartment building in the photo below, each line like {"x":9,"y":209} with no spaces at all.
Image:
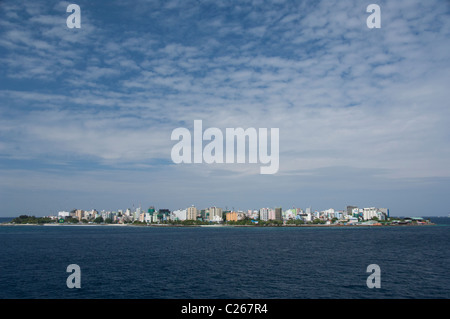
{"x":179,"y":214}
{"x":264,"y":214}
{"x":350,"y":209}
{"x":278,"y":214}
{"x":79,"y":214}
{"x":191,"y":213}
{"x":271,"y":214}
{"x":370,"y":212}
{"x":232,"y":216}
{"x":215,"y":213}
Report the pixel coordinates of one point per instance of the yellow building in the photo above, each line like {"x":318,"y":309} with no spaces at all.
{"x":231,"y":216}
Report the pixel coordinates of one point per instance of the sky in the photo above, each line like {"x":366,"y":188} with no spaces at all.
{"x":86,"y":114}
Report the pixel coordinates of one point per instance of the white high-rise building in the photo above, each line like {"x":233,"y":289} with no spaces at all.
{"x":215,"y":213}
{"x":369,"y":213}
{"x":63,"y":214}
{"x":328,"y":213}
{"x":264,"y":214}
{"x":179,"y":214}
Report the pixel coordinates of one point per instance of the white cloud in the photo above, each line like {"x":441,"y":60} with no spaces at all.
{"x":371,"y":101}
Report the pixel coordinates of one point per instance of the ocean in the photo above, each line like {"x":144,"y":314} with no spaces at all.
{"x":225,"y":262}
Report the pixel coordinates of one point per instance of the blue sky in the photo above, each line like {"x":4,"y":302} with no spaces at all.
{"x":86,"y":114}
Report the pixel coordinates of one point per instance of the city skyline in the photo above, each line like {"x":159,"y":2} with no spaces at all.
{"x":86,"y":114}
{"x":216,"y":214}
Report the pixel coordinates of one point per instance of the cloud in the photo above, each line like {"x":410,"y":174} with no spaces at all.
{"x":346,"y":98}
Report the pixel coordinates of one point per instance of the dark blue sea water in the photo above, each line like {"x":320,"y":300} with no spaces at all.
{"x":226,"y":262}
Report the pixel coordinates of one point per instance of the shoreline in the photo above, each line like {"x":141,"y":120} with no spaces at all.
{"x":217,"y":225}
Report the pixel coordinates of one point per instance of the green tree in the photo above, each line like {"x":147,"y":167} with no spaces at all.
{"x":44,"y":220}
{"x":99,"y":220}
{"x":295,"y":222}
{"x":71,"y":220}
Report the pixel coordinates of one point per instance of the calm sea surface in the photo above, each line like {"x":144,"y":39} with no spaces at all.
{"x":225,"y":262}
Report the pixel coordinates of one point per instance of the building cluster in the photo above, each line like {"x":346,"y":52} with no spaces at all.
{"x":214,"y":214}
